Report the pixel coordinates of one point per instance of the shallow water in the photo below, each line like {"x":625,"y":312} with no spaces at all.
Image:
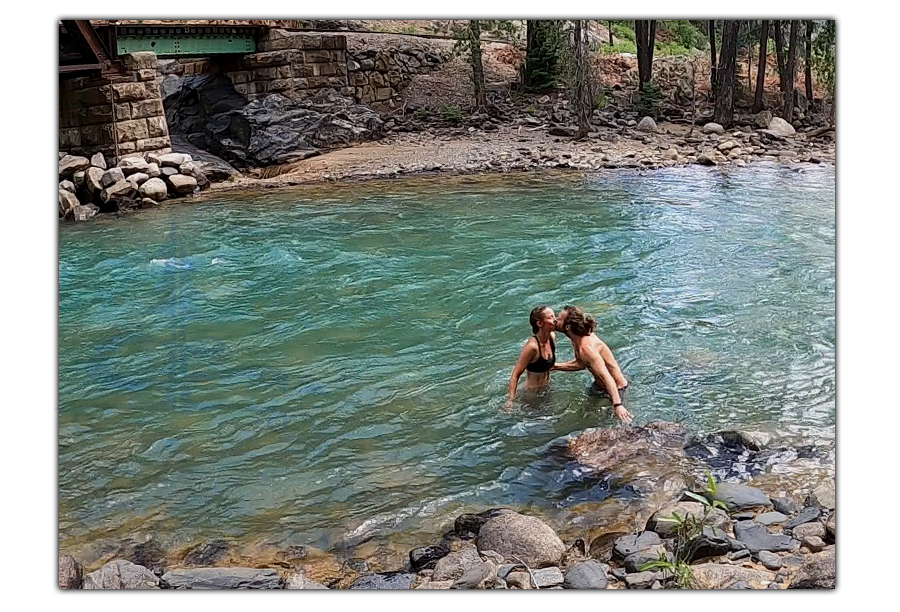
{"x":313,"y":364}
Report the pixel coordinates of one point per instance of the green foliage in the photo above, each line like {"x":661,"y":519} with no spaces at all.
{"x":543,"y":57}
{"x":824,"y":50}
{"x":451,"y":114}
{"x":619,"y":47}
{"x":687,"y":529}
{"x":421,"y":114}
{"x":669,"y":48}
{"x":686,"y":34}
{"x":623,"y":30}
{"x":648,"y":100}
{"x":410,"y":29}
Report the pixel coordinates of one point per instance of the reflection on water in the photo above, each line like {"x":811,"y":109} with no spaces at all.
{"x":306,"y":364}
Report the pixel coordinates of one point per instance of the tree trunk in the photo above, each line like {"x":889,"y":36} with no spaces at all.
{"x":808,"y":62}
{"x":787,"y":109}
{"x":645,"y":38}
{"x":779,"y":54}
{"x":724,"y":114}
{"x":541,"y":54}
{"x":712,"y":57}
{"x":761,"y":67}
{"x":584,"y":101}
{"x":610,"y":34}
{"x":477,"y":66}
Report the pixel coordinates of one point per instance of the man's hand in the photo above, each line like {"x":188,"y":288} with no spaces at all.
{"x":623,"y":414}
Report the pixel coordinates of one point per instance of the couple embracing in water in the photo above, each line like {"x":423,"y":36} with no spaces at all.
{"x":538,"y":356}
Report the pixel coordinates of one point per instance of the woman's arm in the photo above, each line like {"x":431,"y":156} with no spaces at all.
{"x":525,"y":357}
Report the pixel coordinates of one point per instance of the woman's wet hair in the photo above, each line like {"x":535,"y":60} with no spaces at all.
{"x":535,"y":316}
{"x":577,"y":322}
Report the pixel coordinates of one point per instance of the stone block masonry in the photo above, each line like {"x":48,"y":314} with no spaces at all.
{"x":116,"y":116}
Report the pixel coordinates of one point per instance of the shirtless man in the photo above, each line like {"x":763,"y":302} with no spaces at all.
{"x":592,"y":353}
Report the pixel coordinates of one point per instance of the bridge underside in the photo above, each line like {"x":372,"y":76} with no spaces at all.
{"x":186,"y":41}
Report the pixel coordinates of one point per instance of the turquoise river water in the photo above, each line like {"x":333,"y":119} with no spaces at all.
{"x":297,"y":364}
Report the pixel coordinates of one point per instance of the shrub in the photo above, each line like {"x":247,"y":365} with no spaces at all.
{"x":451,"y":114}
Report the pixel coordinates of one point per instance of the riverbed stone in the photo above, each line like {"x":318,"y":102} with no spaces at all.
{"x":455,"y":564}
{"x":548,"y":577}
{"x":831,"y":525}
{"x":770,"y":560}
{"x":770,"y":518}
{"x":741,"y":497}
{"x":823,"y":496}
{"x":425,"y":557}
{"x":67,"y":185}
{"x":785,"y":505}
{"x":815,"y":528}
{"x":806,"y":515}
{"x":640,"y":580}
{"x":171,"y":160}
{"x":762,"y":119}
{"x":813,"y":543}
{"x":705,"y":160}
{"x":524,"y":538}
{"x":121,"y":574}
{"x":721,"y":576}
{"x":738,"y":554}
{"x":647,"y":124}
{"x":816,"y":572}
{"x":70,"y":164}
{"x":757,"y":538}
{"x":518,"y":580}
{"x":586,"y":575}
{"x":630,"y":544}
{"x":481,"y":576}
{"x":155,"y":189}
{"x":222,"y":578}
{"x":435,"y":585}
{"x":153,"y":170}
{"x":636,"y":560}
{"x":111,"y":177}
{"x":781,"y":127}
{"x":98,"y":161}
{"x":182,"y":184}
{"x":390,"y":581}
{"x":666,"y":529}
{"x":711,"y":542}
{"x":298,"y":581}
{"x":138,"y":178}
{"x":713,"y":128}
{"x":70,"y":573}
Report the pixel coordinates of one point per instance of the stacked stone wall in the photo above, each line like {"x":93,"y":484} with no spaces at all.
{"x":117,"y":116}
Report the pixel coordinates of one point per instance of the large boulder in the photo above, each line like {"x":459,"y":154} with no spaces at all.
{"x":781,"y":127}
{"x":762,"y":119}
{"x":92,"y":180}
{"x":214,"y":168}
{"x":70,"y":164}
{"x":67,"y":201}
{"x":817,"y":571}
{"x":666,"y":529}
{"x":131,"y":165}
{"x":118,"y":192}
{"x":111,"y":176}
{"x":586,"y":575}
{"x":155,"y":189}
{"x":713,"y":128}
{"x":121,"y":574}
{"x":455,"y":564}
{"x":524,"y":538}
{"x":223,"y":578}
{"x":70,"y":573}
{"x":182,"y":184}
{"x":647,"y":124}
{"x":741,"y":497}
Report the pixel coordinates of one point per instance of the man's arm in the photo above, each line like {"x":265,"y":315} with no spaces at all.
{"x":597,"y":367}
{"x":568,"y":366}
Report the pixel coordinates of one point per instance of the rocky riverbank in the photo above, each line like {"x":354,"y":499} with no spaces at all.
{"x":768,"y":536}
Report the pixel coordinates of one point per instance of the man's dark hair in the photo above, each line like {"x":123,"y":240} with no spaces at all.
{"x":577,"y":322}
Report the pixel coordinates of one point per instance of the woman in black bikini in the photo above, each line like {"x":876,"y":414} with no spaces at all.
{"x":537,"y":356}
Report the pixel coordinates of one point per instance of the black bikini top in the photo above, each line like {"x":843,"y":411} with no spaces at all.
{"x":541,"y":364}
